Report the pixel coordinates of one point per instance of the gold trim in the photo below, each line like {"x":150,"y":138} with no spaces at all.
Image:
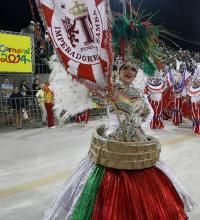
{"x":124,"y":155}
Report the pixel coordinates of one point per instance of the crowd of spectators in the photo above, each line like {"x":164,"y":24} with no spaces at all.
{"x":23,"y":99}
{"x":41,"y":39}
{"x":189,"y":58}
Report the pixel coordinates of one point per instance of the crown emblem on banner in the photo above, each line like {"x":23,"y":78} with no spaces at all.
{"x":79,"y":9}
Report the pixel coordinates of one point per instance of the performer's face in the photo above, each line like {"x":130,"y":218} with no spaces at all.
{"x":127,"y":74}
{"x":15,"y":90}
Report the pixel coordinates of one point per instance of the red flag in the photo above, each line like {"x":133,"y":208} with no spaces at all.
{"x":81,"y":33}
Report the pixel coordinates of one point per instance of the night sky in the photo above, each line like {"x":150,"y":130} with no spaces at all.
{"x":181,"y":16}
{"x":15,"y":14}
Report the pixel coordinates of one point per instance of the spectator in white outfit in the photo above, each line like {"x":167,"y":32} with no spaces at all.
{"x":40,"y":99}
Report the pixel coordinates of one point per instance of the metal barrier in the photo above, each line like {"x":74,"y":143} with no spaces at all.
{"x":98,"y":112}
{"x":13,"y":106}
{"x":9,"y":109}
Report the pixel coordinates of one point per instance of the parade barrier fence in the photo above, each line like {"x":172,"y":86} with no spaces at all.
{"x":9,"y":108}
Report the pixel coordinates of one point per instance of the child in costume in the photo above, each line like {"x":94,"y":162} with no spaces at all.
{"x":122,"y":177}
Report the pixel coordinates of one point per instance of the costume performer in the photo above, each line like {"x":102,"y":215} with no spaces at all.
{"x":194,"y":93}
{"x":83,"y":117}
{"x":176,"y":80}
{"x":49,"y":103}
{"x":155,"y":88}
{"x":122,"y":177}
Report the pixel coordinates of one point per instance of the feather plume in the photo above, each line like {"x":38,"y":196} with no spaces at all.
{"x":70,"y":96}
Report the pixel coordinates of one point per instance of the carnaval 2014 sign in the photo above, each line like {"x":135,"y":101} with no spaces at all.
{"x":77,"y":31}
{"x":15,"y":53}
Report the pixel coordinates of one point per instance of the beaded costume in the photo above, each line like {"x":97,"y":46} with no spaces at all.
{"x":177,"y":81}
{"x":194,"y":93}
{"x":122,"y":179}
{"x":154,"y":89}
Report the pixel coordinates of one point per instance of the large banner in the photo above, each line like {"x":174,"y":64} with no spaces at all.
{"x":80,"y":32}
{"x":15,"y":53}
